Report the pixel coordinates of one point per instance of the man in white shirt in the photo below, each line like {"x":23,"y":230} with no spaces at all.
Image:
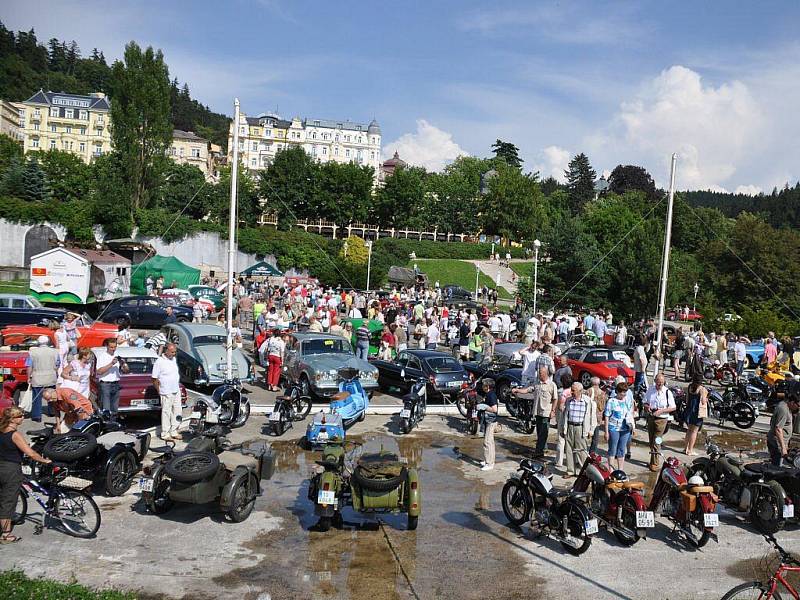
{"x":740,"y":351}
{"x":505,"y":318}
{"x":529,"y":356}
{"x":166,"y":380}
{"x":108,"y":368}
{"x":659,"y":403}
{"x":495,"y":324}
{"x":432,"y":336}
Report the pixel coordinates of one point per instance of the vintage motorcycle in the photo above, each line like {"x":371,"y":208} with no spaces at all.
{"x":689,"y":504}
{"x":748,"y":391}
{"x":616,"y":502}
{"x":725,"y":374}
{"x":742,"y":490}
{"x":227,"y":406}
{"x":415,"y":404}
{"x":289,"y":407}
{"x":725,"y":407}
{"x":561,"y":514}
{"x":468,"y":396}
{"x":346,"y":407}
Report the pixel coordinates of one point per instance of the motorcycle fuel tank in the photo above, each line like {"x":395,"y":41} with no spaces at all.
{"x":594,"y":475}
{"x":672,"y":476}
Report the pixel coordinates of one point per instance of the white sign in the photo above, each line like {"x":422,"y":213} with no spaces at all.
{"x":645,"y":518}
{"x":405,"y":413}
{"x":326,"y":497}
{"x":146,"y":484}
{"x":788,"y":511}
{"x":591,"y":526}
{"x":711,"y":520}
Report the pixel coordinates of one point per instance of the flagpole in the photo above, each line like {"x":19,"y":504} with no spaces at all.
{"x":665,"y":267}
{"x":232,"y":240}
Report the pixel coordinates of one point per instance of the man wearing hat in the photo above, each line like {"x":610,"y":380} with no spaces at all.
{"x":42,"y":366}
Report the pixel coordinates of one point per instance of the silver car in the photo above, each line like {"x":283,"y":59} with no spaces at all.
{"x":314,"y":360}
{"x":201,"y":354}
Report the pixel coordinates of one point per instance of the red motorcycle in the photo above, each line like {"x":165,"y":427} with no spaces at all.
{"x":468,"y":396}
{"x":725,"y":374}
{"x":690,"y":505}
{"x":616,"y":502}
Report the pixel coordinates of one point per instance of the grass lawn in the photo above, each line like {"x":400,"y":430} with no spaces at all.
{"x":17,"y":586}
{"x":456,"y":272}
{"x":15,"y":286}
{"x":522,"y":269}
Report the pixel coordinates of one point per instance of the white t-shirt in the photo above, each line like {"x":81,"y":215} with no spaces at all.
{"x":275,"y":346}
{"x":433,"y":334}
{"x":529,"y":358}
{"x":104,"y":359}
{"x":166,"y":371}
{"x":740,"y":350}
{"x":495,"y":324}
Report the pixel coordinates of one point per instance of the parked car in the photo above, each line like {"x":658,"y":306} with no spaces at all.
{"x":444,"y":374}
{"x":92,"y":333}
{"x":591,"y":361}
{"x":456,"y":292}
{"x":143,"y":311}
{"x":19,"y":309}
{"x":185,"y":298}
{"x":13,"y":376}
{"x":755,"y":352}
{"x":136,"y":390}
{"x":678,"y":315}
{"x":201,"y":354}
{"x":209,"y":293}
{"x":313,"y":360}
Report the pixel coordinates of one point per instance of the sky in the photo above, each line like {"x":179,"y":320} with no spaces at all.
{"x":716,"y":82}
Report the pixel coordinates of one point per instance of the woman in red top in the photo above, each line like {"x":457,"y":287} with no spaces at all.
{"x":387,"y":343}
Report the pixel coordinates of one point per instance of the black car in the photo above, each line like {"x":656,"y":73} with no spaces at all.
{"x":143,"y":311}
{"x":19,"y":309}
{"x":504,"y":373}
{"x":456,"y":292}
{"x":444,"y":374}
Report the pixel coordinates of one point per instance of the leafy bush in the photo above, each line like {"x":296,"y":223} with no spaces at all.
{"x":401,"y":248}
{"x":17,"y":586}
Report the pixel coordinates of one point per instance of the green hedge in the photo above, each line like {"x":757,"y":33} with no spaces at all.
{"x":16,"y":586}
{"x":430,"y":249}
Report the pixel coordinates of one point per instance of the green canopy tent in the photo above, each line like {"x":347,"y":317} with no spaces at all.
{"x":261,"y":269}
{"x":170,"y":267}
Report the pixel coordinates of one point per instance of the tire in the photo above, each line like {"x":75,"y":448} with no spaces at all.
{"x":473,"y":427}
{"x":576,"y":528}
{"x":182,"y":319}
{"x":242,"y":499}
{"x":728,"y":377}
{"x":743,"y":415}
{"x":379,"y":485}
{"x":461,"y":403}
{"x":20,"y":510}
{"x":302,"y":406}
{"x":697,"y":526}
{"x":363,"y":416}
{"x":405,"y":427}
{"x":629,"y":522}
{"x":192,"y":467}
{"x":412,"y":523}
{"x":70,"y":446}
{"x":158,"y":501}
{"x":708,"y":374}
{"x":504,"y":395}
{"x":119,"y":473}
{"x":77,"y":512}
{"x":749,"y":362}
{"x":517,"y":502}
{"x":305,"y":386}
{"x":766,"y":513}
{"x":244,"y":414}
{"x":586,"y":379}
{"x":528,"y":424}
{"x":278,"y":427}
{"x":324,"y":524}
{"x":754,"y":590}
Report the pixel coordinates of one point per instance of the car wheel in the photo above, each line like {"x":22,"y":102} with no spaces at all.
{"x":305,"y":386}
{"x":586,"y":379}
{"x":182,"y":319}
{"x":749,"y":362}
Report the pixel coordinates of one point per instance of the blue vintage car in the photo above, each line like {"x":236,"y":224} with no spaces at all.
{"x":755,"y":352}
{"x":346,"y":407}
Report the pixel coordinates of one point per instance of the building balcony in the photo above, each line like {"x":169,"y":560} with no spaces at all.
{"x":36,"y":117}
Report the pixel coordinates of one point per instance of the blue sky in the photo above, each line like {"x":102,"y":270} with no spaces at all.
{"x":625,"y":82}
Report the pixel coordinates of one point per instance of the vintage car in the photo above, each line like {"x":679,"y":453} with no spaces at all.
{"x":201,"y":354}
{"x":444,"y":374}
{"x":207,"y":293}
{"x":314,"y":359}
{"x":136,"y":390}
{"x":92,"y":333}
{"x":19,"y":309}
{"x":143,"y":311}
{"x":184,"y":297}
{"x":590,"y":361}
{"x":677,"y":314}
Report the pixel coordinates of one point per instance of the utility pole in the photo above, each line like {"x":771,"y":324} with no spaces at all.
{"x":665,"y":267}
{"x":232,"y":239}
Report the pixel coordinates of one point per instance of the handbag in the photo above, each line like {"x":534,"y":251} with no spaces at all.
{"x":26,"y":400}
{"x":702,"y":409}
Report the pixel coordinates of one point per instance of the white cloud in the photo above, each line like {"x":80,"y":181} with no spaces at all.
{"x":750,"y":190}
{"x":553,"y":162}
{"x":428,"y":147}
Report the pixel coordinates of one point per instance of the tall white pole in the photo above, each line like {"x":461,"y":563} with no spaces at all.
{"x":665,"y":267}
{"x":232,"y":238}
{"x":535,"y":275}
{"x":477,"y":274}
{"x":369,"y":261}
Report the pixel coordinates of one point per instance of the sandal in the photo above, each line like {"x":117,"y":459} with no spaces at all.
{"x":9,"y":539}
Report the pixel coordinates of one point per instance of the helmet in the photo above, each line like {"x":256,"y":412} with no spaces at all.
{"x":619,"y":476}
{"x":696,"y":480}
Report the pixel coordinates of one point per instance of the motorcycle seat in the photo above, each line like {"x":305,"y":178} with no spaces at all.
{"x":633,"y":485}
{"x":109,"y":440}
{"x":339,"y":396}
{"x":701,"y":489}
{"x":231,"y":460}
{"x":738,"y":462}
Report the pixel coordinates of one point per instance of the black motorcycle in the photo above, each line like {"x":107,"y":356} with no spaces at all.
{"x":751,"y":391}
{"x":227,"y":406}
{"x":415,"y":405}
{"x":526,"y":411}
{"x":742,"y":489}
{"x":562,"y":514}
{"x":289,"y":407}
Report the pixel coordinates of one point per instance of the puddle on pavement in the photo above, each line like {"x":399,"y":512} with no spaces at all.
{"x":735,"y":440}
{"x":461,"y":535}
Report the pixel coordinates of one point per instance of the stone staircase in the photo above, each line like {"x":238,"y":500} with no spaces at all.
{"x":503,"y":276}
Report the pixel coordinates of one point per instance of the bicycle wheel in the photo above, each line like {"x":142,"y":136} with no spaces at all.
{"x":77,"y":512}
{"x":754,"y":589}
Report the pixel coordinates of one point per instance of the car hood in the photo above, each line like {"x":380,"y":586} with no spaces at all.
{"x":326,"y":362}
{"x":216,"y":355}
{"x":13,"y":359}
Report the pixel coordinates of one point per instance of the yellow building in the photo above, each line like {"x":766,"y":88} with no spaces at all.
{"x":68,"y":122}
{"x":12,"y":119}
{"x":188,"y":148}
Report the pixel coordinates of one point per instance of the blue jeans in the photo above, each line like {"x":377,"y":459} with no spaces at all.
{"x":362,"y":350}
{"x":638,"y":380}
{"x":36,"y":403}
{"x":739,"y":367}
{"x":109,"y":396}
{"x":618,"y":442}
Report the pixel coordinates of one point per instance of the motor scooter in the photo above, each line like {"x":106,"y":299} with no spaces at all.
{"x":415,"y":404}
{"x":227,"y":406}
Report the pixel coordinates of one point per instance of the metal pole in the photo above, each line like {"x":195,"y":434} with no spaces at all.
{"x":477,"y":274}
{"x":232,"y":239}
{"x":694,"y":306}
{"x":369,"y":262}
{"x":535,"y":276}
{"x":665,"y":266}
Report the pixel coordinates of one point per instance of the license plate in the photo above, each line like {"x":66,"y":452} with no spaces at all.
{"x":326,"y":497}
{"x":136,"y":402}
{"x":711,"y":520}
{"x":274,"y":416}
{"x":453,"y":384}
{"x":5,"y":371}
{"x":194,"y":415}
{"x":145,"y":484}
{"x":27,"y":470}
{"x":645,"y":518}
{"x":788,"y":511}
{"x":591,"y":526}
{"x":322,"y":435}
{"x":405,"y":413}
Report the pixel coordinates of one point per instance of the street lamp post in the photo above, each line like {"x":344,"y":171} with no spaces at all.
{"x":369,"y":261}
{"x":536,"y":245}
{"x":477,"y":273}
{"x":696,"y":289}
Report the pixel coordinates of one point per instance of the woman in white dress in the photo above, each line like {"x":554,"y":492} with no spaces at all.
{"x":75,"y":375}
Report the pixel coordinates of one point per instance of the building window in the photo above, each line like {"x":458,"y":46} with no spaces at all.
{"x":267,"y":133}
{"x":82,"y":147}
{"x":324,"y":150}
{"x":35,"y":143}
{"x":53,"y":128}
{"x":84,"y":115}
{"x":53,"y":111}
{"x":36,"y":127}
{"x":68,"y":129}
{"x":347,"y":138}
{"x":252,"y":162}
{"x":372,"y":156}
{"x":337,"y":137}
{"x":347,"y":153}
{"x":37,"y":113}
{"x":241,"y":146}
{"x":52,"y":144}
{"x":195,"y":152}
{"x":336,"y":151}
{"x":254,"y":146}
{"x":241,"y":131}
{"x":83,"y":130}
{"x":69,"y":113}
{"x":314,"y":135}
{"x":180,"y":152}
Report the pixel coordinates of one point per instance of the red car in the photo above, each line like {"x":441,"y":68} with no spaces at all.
{"x":587,"y":362}
{"x":136,"y":393}
{"x":93,"y":333}
{"x":678,"y":315}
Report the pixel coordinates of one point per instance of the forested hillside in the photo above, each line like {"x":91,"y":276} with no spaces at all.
{"x":780,"y":208}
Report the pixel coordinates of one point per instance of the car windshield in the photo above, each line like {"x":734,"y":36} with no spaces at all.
{"x":210,"y":340}
{"x":86,"y":320}
{"x":327,"y":347}
{"x":140,"y":365}
{"x":35,"y":302}
{"x":443,"y":364}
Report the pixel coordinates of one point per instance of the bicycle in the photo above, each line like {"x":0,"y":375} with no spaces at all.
{"x":74,"y":509}
{"x":769,"y":589}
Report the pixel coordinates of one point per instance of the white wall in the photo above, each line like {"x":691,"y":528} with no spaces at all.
{"x":204,"y":247}
{"x":12,"y":242}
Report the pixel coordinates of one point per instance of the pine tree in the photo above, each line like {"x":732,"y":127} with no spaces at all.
{"x":12,"y":182}
{"x":580,"y":182}
{"x":34,"y":184}
{"x":508,"y":153}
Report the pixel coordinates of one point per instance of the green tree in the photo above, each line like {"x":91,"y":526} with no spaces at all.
{"x":514,"y":207}
{"x":140,"y":125}
{"x":401,"y":199}
{"x":580,"y":182}
{"x":342,"y":192}
{"x":34,"y":184}
{"x":183,"y":190}
{"x":248,"y":199}
{"x":10,"y":150}
{"x":111,"y":195}
{"x":288,"y":185}
{"x":67,"y":176}
{"x":631,"y":178}
{"x":454,"y":200}
{"x":508,"y":153}
{"x":13,"y":180}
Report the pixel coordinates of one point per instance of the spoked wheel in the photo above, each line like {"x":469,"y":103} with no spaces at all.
{"x":243,"y":497}
{"x":766,"y":513}
{"x":517,"y":502}
{"x":528,"y":424}
{"x":70,"y":446}
{"x":192,"y":467}
{"x":473,"y":426}
{"x":302,"y":406}
{"x":629,"y":523}
{"x":696,"y":526}
{"x":754,"y":590}
{"x":743,"y":415}
{"x":20,"y":509}
{"x":728,"y":377}
{"x":279,"y":426}
{"x":158,"y":501}
{"x":244,"y":414}
{"x":578,"y":541}
{"x":77,"y":512}
{"x":461,"y":403}
{"x":119,"y":474}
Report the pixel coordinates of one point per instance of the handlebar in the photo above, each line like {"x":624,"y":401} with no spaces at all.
{"x":786,"y":557}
